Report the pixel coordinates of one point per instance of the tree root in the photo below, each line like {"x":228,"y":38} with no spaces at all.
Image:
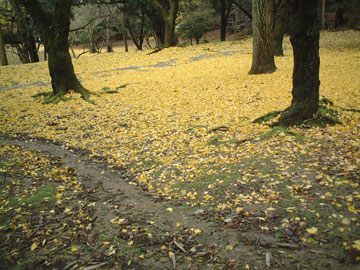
{"x":54,"y":98}
{"x":267,"y":117}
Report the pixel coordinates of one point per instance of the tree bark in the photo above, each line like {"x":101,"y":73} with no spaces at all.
{"x":3,"y":57}
{"x":305,"y":41}
{"x":281,"y":19}
{"x":323,"y":15}
{"x":225,"y":11}
{"x":124,"y":32}
{"x":263,"y":50}
{"x":54,"y":26}
{"x":170,"y":38}
{"x":169,"y":19}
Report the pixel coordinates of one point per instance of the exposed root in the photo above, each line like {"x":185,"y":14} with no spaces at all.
{"x":267,"y":117}
{"x":51,"y":97}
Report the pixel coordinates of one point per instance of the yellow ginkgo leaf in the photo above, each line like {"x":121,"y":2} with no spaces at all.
{"x":356,"y":244}
{"x":74,"y":249}
{"x":33,"y":246}
{"x":312,"y":231}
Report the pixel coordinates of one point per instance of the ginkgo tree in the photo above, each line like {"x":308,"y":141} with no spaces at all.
{"x":305,"y":41}
{"x":263,"y":50}
{"x":54,"y":26}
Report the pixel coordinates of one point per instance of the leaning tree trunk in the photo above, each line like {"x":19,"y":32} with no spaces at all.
{"x":3,"y":58}
{"x":281,"y":19}
{"x":305,"y":41}
{"x":263,"y":51}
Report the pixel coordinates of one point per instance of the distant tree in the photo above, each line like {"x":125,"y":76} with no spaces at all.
{"x":281,"y":20}
{"x":305,"y":41}
{"x":168,"y":10}
{"x":224,"y":8}
{"x":225,"y":11}
{"x":27,"y":47}
{"x":54,"y":26}
{"x":195,"y":20}
{"x":263,"y":50}
{"x":323,"y":14}
{"x":3,"y":57}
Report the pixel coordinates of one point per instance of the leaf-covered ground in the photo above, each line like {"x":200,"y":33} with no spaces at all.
{"x":179,"y":122}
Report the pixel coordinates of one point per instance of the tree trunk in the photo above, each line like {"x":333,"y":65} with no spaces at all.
{"x":225,"y":11}
{"x":3,"y":58}
{"x":124,"y":33}
{"x":109,"y":47}
{"x":169,"y":19}
{"x":323,"y":15}
{"x":132,"y":35}
{"x":305,"y":41}
{"x":352,"y":8}
{"x":263,"y":50}
{"x":223,"y":21}
{"x":34,"y":57}
{"x":281,"y":19}
{"x":170,"y":38}
{"x":54,"y":27}
{"x":61,"y":69}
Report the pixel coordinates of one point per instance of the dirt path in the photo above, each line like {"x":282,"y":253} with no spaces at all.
{"x":119,"y":202}
{"x":136,"y":229}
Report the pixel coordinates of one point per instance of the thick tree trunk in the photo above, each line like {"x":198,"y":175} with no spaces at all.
{"x":54,"y":27}
{"x":263,"y":50}
{"x":281,"y":19}
{"x":3,"y":57}
{"x":170,"y":38}
{"x":305,"y":41}
{"x":61,"y":69}
{"x":169,"y":17}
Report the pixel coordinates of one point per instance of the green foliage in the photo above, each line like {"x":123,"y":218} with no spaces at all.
{"x":195,"y":21}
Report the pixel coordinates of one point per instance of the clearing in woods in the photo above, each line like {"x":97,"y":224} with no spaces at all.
{"x":168,"y":171}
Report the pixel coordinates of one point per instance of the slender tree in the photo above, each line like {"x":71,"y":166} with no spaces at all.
{"x":305,"y":41}
{"x":225,"y":12}
{"x":3,"y":58}
{"x":54,"y":26}
{"x":263,"y":50}
{"x":281,"y":20}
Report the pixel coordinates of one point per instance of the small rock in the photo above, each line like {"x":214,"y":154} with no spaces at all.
{"x":199,"y":212}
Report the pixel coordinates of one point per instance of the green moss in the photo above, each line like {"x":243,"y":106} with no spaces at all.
{"x":267,"y":117}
